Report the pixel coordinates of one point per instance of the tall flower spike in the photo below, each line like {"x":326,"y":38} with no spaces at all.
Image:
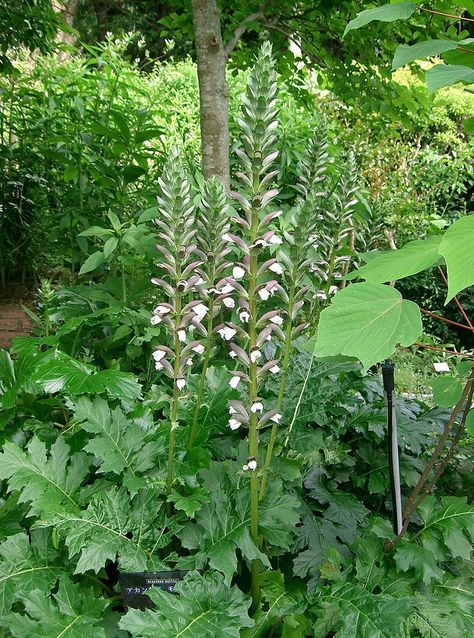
{"x":305,"y":218}
{"x":176,"y":224}
{"x":257,"y":156}
{"x":212,"y":221}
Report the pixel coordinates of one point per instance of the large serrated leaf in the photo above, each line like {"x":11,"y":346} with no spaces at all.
{"x":50,"y":482}
{"x":361,"y":614}
{"x":420,"y":560}
{"x":204,"y":607}
{"x":367,"y":321}
{"x":26,"y":565}
{"x":120,"y":444}
{"x":72,"y":612}
{"x":65,"y":374}
{"x":116,"y":528}
{"x":457,"y":248}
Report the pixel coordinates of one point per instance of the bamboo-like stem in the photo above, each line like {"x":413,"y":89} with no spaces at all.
{"x":281,"y":393}
{"x":202,"y":380}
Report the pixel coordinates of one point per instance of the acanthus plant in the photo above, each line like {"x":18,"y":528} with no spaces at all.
{"x":182,"y":315}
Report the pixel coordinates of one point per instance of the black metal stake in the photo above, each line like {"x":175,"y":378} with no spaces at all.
{"x":392,"y":444}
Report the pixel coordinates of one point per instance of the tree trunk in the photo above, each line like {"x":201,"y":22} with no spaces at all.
{"x":68,"y":11}
{"x":213,"y":90}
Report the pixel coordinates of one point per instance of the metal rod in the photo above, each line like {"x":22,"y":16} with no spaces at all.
{"x":392,"y":445}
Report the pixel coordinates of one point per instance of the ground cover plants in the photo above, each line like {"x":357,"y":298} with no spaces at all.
{"x":201,"y":424}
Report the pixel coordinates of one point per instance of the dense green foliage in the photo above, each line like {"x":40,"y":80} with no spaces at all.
{"x":100,"y":471}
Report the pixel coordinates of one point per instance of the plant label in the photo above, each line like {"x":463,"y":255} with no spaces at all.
{"x":134,"y":586}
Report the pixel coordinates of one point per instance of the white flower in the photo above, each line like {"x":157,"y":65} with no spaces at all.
{"x":333,"y":290}
{"x":199,"y":282}
{"x":275,"y":240}
{"x":269,"y":337}
{"x":245,"y":467}
{"x":256,"y":407}
{"x":199,"y":348}
{"x":234,"y":424}
{"x":182,"y":335}
{"x":255,"y":356}
{"x":156,"y":319}
{"x":227,"y":237}
{"x":244,"y":316}
{"x":227,"y":332}
{"x":252,"y":464}
{"x":158,"y":355}
{"x":229,"y":302}
{"x":161,"y":310}
{"x":276,"y":268}
{"x":321,"y":294}
{"x":274,"y":369}
{"x":189,"y":362}
{"x":226,"y":289}
{"x":232,"y":354}
{"x":234,"y":382}
{"x":180,"y":383}
{"x":273,"y":289}
{"x":263,"y":294}
{"x":158,"y":365}
{"x":232,"y":410}
{"x":276,"y":418}
{"x":238,"y":272}
{"x":277,"y":320}
{"x":200,"y":310}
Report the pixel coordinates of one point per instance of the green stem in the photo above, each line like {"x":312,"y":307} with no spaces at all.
{"x":281,"y":393}
{"x":202,"y":381}
{"x":124,"y":285}
{"x":253,"y":392}
{"x":175,"y":398}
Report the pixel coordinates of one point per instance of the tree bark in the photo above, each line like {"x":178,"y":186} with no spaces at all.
{"x":68,"y":11}
{"x":213,"y":89}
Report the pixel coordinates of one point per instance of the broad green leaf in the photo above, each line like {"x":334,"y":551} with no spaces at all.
{"x":276,"y":603}
{"x":222,"y":524}
{"x":96,"y":231}
{"x":367,"y":321}
{"x":110,"y":246}
{"x":446,"y":391}
{"x":148,"y":134}
{"x":133,"y":172}
{"x":470,"y":422}
{"x":468,"y":125}
{"x":413,"y":556}
{"x":26,"y":565}
{"x":65,"y":374}
{"x":122,"y":123}
{"x":457,"y":248}
{"x":189,"y":503}
{"x":120,"y":444}
{"x":389,"y":266}
{"x":92,"y":262}
{"x":426,"y":49}
{"x":361,"y":614}
{"x":205,"y":607}
{"x":72,"y":612}
{"x":114,"y":527}
{"x":385,"y":13}
{"x":50,"y":482}
{"x":454,"y":519}
{"x":447,"y":74}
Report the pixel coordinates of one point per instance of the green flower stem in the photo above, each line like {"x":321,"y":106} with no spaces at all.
{"x":253,"y":429}
{"x":202,"y":381}
{"x":175,"y":398}
{"x":281,"y":393}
